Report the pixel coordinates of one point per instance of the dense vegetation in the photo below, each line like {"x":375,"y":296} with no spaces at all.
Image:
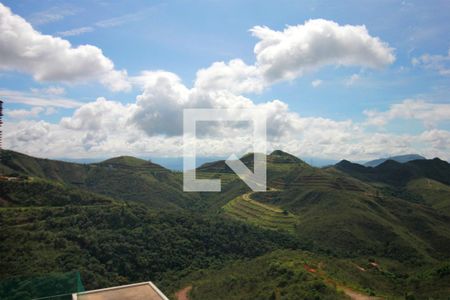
{"x":116,"y":244}
{"x":293,"y":274}
{"x":273,"y":276}
{"x":124,"y":178}
{"x":127,"y":220}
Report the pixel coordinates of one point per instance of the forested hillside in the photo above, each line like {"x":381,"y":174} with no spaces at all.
{"x":126,"y":220}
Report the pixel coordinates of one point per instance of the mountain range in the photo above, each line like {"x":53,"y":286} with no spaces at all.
{"x":398,"y":158}
{"x":382,"y":230}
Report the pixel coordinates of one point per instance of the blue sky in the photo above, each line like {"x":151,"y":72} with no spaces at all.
{"x":183,"y":37}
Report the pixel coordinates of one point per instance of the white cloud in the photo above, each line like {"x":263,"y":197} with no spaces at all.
{"x":234,"y":76}
{"x":437,"y":142}
{"x":76,"y":31}
{"x":49,"y":58}
{"x":34,"y":100}
{"x":116,"y":80}
{"x":430,"y":114}
{"x":102,"y":129}
{"x":117,"y":21}
{"x":51,"y":90}
{"x":50,"y":111}
{"x":287,"y":54}
{"x":159,"y":108}
{"x":153,"y":123}
{"x":438,"y":63}
{"x":101,"y":114}
{"x":112,"y":22}
{"x":316,"y":83}
{"x":51,"y":15}
{"x":24,"y":113}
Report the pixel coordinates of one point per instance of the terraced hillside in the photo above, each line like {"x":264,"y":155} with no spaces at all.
{"x":336,"y":212}
{"x":268,"y":216}
{"x":278,"y":164}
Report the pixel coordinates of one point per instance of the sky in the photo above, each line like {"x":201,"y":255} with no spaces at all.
{"x":336,"y":79}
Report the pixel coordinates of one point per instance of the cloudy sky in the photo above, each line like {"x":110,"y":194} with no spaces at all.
{"x":355,"y":80}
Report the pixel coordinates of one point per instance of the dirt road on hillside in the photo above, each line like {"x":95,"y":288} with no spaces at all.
{"x":183,"y":293}
{"x":358,"y":296}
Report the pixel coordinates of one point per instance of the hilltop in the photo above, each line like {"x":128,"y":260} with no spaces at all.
{"x":98,"y":217}
{"x":344,"y":209}
{"x":125,"y":178}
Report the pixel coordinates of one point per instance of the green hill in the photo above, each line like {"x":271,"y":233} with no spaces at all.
{"x":431,"y":192}
{"x":336,"y":212}
{"x":36,"y":192}
{"x":125,"y":178}
{"x":293,"y":274}
{"x":113,"y":244}
{"x":274,"y":276}
{"x":62,"y":217}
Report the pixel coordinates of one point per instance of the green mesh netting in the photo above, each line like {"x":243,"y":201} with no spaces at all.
{"x":55,"y":286}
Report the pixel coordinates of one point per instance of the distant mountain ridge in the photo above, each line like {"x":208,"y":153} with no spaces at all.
{"x":398,"y":158}
{"x":398,"y":174}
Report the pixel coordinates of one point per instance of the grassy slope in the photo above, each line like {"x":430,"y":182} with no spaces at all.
{"x":346,"y":216}
{"x":432,"y":192}
{"x":268,"y":216}
{"x":125,"y":178}
{"x":293,"y":274}
{"x":274,"y":276}
{"x":334,"y":211}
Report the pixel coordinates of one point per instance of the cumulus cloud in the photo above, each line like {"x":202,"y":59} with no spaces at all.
{"x":287,"y":54}
{"x":114,"y":134}
{"x":49,"y":58}
{"x":284,"y":55}
{"x":438,"y":63}
{"x":234,"y":76}
{"x":430,"y":114}
{"x":31,"y":131}
{"x":152,"y":125}
{"x":101,"y":114}
{"x":159,"y":109}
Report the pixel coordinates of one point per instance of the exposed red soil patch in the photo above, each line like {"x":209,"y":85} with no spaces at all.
{"x":183,"y":293}
{"x":309,"y":269}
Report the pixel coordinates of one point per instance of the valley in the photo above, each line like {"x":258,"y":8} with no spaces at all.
{"x":327,"y":233}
